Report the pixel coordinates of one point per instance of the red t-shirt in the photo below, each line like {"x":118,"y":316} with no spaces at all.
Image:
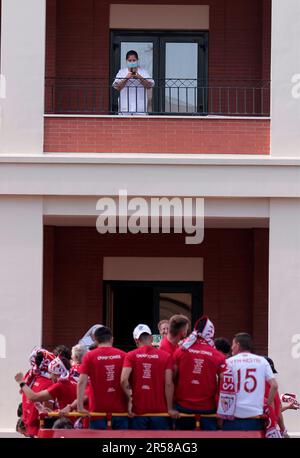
{"x":104,"y":366}
{"x":196,"y":383}
{"x":148,"y":365}
{"x":167,"y":346}
{"x":30,"y":413}
{"x":276,"y":403}
{"x":63,"y":392}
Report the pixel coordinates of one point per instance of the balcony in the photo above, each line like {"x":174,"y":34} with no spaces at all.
{"x":210,"y":64}
{"x":176,"y":96}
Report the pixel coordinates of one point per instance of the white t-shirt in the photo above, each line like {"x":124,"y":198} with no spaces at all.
{"x":133,"y":96}
{"x":250,"y":375}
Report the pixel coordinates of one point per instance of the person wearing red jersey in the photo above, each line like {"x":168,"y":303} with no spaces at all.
{"x":276,"y":406}
{"x":62,"y":390}
{"x":251,"y":372}
{"x":178,"y":329}
{"x":147,"y":382}
{"x":198,"y":368}
{"x":77,"y":354}
{"x":163,"y":327}
{"x":103,"y":367}
{"x":38,"y":379}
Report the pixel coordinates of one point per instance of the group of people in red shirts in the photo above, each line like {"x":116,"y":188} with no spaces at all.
{"x":151,"y":387}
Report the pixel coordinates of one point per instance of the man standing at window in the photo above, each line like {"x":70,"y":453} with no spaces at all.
{"x":133,"y":83}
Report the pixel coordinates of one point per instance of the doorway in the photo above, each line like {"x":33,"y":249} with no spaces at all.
{"x":177,"y":61}
{"x":128,"y":303}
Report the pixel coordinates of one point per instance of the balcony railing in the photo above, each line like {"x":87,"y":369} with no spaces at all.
{"x":167,"y":97}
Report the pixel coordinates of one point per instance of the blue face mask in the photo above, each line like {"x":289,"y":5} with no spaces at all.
{"x":133,"y":64}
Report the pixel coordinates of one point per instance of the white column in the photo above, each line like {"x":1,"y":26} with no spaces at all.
{"x":284,"y":298}
{"x":23,"y":74}
{"x":21,"y":261}
{"x":285,"y":138}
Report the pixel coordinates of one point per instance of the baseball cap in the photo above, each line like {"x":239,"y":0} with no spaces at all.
{"x":270,"y":361}
{"x":141,"y":329}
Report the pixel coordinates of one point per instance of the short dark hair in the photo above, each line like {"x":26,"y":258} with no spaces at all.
{"x":63,"y":423}
{"x":244,"y":340}
{"x":103,"y":334}
{"x":66,"y":362}
{"x":222,"y":345}
{"x":176,"y":323}
{"x":62,"y":350}
{"x":144,"y":337}
{"x":132,"y":53}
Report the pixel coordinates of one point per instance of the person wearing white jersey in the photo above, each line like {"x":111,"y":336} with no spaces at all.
{"x":250,"y":372}
{"x":133,"y":83}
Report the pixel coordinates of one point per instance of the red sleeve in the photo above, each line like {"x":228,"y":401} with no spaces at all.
{"x":128,"y":361}
{"x":54,"y":390}
{"x":85,"y":365}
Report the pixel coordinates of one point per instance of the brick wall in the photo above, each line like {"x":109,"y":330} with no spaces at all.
{"x":239,"y":37}
{"x":152,"y":135}
{"x":235,"y":277}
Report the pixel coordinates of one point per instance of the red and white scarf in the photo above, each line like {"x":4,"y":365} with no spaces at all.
{"x":206,"y":334}
{"x":291,"y":399}
{"x":272,"y":430}
{"x":58,"y":368}
{"x":46,"y":358}
{"x":227,"y":395}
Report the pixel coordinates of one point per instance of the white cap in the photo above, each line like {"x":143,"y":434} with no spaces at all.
{"x":140,"y":329}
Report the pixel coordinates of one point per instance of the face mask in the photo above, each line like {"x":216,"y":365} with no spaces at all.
{"x":132,"y":64}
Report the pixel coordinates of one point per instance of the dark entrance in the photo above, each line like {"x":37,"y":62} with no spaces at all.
{"x":129,"y":303}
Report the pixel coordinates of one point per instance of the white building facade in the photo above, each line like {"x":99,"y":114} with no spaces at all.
{"x":39,"y":189}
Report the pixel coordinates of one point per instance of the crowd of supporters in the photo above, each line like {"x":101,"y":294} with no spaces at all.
{"x":156,"y":386}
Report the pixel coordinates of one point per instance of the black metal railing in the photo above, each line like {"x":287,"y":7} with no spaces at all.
{"x":167,"y":97}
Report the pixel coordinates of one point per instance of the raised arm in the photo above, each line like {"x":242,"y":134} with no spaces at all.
{"x":120,"y":82}
{"x":29,"y":393}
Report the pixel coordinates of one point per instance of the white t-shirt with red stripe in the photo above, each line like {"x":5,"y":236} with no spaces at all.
{"x":250,"y":375}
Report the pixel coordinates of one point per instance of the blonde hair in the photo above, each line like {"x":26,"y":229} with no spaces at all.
{"x":78,"y":352}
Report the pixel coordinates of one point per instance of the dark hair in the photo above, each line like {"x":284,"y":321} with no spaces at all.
{"x":20,"y":426}
{"x":271,"y":362}
{"x":176,"y":323}
{"x":244,"y":340}
{"x":132,"y":53}
{"x":66,"y":362}
{"x":201,"y":324}
{"x":39,"y":358}
{"x":144,"y":337}
{"x":103,"y":334}
{"x":20,"y":410}
{"x":222,"y":345}
{"x":63,"y":423}
{"x":62,"y":350}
